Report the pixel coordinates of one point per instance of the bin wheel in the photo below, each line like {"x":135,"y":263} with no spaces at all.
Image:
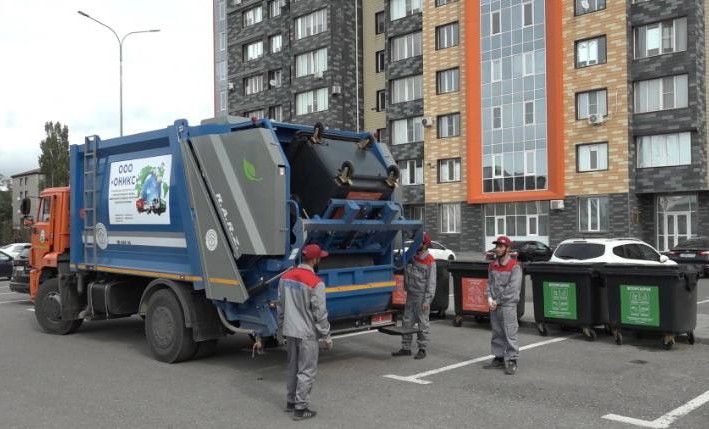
{"x":458,"y":321}
{"x":590,"y":334}
{"x":479,"y":319}
{"x":441,"y":314}
{"x":607,"y":329}
{"x":542,"y":329}
{"x":668,"y":341}
{"x":690,"y":337}
{"x":618,"y":337}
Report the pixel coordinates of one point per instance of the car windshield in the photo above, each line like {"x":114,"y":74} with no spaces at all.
{"x":579,"y":251}
{"x":694,"y":243}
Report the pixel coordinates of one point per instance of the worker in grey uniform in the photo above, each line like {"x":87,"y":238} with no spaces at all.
{"x":420,"y":286}
{"x":302,"y":320}
{"x":504,"y":283}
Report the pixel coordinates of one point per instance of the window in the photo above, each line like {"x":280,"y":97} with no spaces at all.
{"x":415,"y":212}
{"x":253,"y":51}
{"x":449,"y":170}
{"x":528,"y":112}
{"x":313,"y":62}
{"x":447,"y":36}
{"x":406,"y":89}
{"x":664,"y":150}
{"x":496,"y":70}
{"x":661,"y":38}
{"x":45,"y":212}
{"x":401,"y":8}
{"x":275,"y":6}
{"x":222,"y":101}
{"x":222,"y":10}
{"x":407,"y":130}
{"x":591,"y":52}
{"x":592,"y":157}
{"x":252,"y":16}
{"x":528,"y":63}
{"x":221,"y":70}
{"x":4,"y":257}
{"x":253,"y":84}
{"x":275,"y":113}
{"x":379,"y":23}
{"x":497,"y":117}
{"x":444,"y":2}
{"x":593,"y":214}
{"x":448,"y":125}
{"x":379,"y":59}
{"x":580,"y":251}
{"x":450,"y":218}
{"x":497,"y":167}
{"x":406,"y":46}
{"x":382,"y":135}
{"x":258,"y":114}
{"x":411,"y":172}
{"x":527,"y":14}
{"x":276,"y":43}
{"x":495,"y":23}
{"x":381,"y":100}
{"x":311,"y":101}
{"x":222,"y":40}
{"x":275,"y":78}
{"x":591,"y":103}
{"x":661,"y":94}
{"x":587,"y":6}
{"x":530,"y":162}
{"x":311,"y":24}
{"x":447,"y":81}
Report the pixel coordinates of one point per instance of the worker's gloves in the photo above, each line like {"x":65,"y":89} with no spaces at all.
{"x":492,"y":303}
{"x":327,"y":342}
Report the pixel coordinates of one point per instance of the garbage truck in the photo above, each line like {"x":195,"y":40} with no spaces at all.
{"x":190,"y":227}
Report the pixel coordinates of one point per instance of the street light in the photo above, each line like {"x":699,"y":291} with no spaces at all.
{"x":120,"y":41}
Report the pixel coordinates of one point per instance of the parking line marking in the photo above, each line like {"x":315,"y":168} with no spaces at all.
{"x":354,"y":334}
{"x":417,"y":378}
{"x":666,"y":420}
{"x":30,"y":309}
{"x":18,"y":300}
{"x":703,"y":302}
{"x":8,"y":293}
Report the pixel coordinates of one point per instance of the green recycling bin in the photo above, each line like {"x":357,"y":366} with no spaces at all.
{"x":654,"y":298}
{"x":568,"y":294}
{"x":469,"y":285}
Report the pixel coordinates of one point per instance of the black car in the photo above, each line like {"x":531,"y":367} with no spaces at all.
{"x":694,"y":251}
{"x":526,"y":251}
{"x":20,"y":281}
{"x":5,"y":265}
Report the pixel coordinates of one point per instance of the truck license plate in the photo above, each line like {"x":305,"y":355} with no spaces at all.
{"x":381,"y":319}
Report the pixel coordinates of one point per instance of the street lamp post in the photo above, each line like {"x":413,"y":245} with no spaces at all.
{"x":120,"y":41}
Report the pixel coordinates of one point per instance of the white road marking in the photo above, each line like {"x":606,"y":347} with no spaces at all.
{"x":9,"y":293}
{"x":666,"y":420}
{"x":703,"y":302}
{"x":18,"y":300}
{"x":30,"y":309}
{"x":354,"y":334}
{"x":417,"y":378}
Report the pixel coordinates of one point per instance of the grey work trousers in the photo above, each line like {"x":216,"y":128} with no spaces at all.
{"x":504,"y":332}
{"x":413,"y":314}
{"x":302,"y":368}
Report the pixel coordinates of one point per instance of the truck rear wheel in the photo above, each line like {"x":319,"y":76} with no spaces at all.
{"x":169,"y":339}
{"x":48,"y":310}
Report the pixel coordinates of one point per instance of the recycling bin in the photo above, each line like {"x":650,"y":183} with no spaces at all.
{"x":652,"y":298}
{"x":469,"y":285}
{"x":439,"y":304}
{"x":568,"y":294}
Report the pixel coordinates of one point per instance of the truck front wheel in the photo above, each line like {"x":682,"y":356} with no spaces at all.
{"x":169,"y":339}
{"x":48,"y":310}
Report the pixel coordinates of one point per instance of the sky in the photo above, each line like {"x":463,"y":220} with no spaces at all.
{"x":56,"y":65}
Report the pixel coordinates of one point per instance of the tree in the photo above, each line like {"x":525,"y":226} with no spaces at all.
{"x":5,"y":216}
{"x":54,"y":159}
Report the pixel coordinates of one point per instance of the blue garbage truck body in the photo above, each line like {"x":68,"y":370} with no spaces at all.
{"x":192,"y":226}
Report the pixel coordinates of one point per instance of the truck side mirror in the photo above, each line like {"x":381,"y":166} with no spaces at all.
{"x":25,"y":206}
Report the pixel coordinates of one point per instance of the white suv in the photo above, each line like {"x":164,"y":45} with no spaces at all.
{"x":610,"y":250}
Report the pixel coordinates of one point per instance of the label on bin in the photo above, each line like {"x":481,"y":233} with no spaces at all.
{"x":560,"y":300}
{"x":473,"y":295}
{"x":640,"y":305}
{"x":398,"y":297}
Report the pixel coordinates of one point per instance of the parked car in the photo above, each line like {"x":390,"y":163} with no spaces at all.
{"x":5,"y":265}
{"x":613,"y":250}
{"x":437,"y":250}
{"x":14,"y":249}
{"x":526,"y":251}
{"x":694,"y":251}
{"x":20,"y":280}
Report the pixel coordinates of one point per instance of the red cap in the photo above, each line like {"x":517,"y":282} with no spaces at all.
{"x":426,"y":239}
{"x":312,"y":251}
{"x":504,"y":240}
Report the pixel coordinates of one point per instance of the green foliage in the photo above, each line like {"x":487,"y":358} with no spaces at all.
{"x":5,"y":217}
{"x":54,"y":159}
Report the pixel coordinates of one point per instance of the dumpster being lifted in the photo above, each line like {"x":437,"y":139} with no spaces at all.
{"x":659,"y":299}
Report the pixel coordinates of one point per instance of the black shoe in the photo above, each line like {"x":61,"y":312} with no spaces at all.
{"x":511,"y":367}
{"x":290,"y":407}
{"x":303,"y":414}
{"x":496,"y":363}
{"x":421,"y":354}
{"x":402,"y":352}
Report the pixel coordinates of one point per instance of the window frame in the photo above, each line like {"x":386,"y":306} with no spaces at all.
{"x":597,"y":9}
{"x":393,"y":46}
{"x":598,"y":62}
{"x":245,"y":49}
{"x":586,"y":200}
{"x":661,"y":23}
{"x":578,"y":99}
{"x":448,"y":116}
{"x":412,"y":122}
{"x":665,"y":164}
{"x":246,"y":85}
{"x":455,"y":35}
{"x":305,"y":35}
{"x":271,"y":39}
{"x":417,"y":169}
{"x":524,"y":15}
{"x":534,"y":115}
{"x":247,"y":11}
{"x":455,"y":83}
{"x":392,"y":85}
{"x":492,"y":22}
{"x":377,"y":22}
{"x":381,"y":100}
{"x":456,"y":213}
{"x":661,"y":97}
{"x":456,"y":163}
{"x":591,"y":170}
{"x":380,"y":61}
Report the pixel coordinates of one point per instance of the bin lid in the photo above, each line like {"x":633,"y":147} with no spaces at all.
{"x":633,"y":270}
{"x":561,"y":268}
{"x":463,"y":266}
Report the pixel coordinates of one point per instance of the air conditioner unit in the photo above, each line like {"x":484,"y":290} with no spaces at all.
{"x":231,"y":86}
{"x":336,"y":90}
{"x":596,"y":119}
{"x":556,"y":204}
{"x":427,"y":121}
{"x":319,"y":74}
{"x":237,"y":2}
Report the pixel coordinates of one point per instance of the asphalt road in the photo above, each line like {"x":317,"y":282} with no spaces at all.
{"x":104,"y":377}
